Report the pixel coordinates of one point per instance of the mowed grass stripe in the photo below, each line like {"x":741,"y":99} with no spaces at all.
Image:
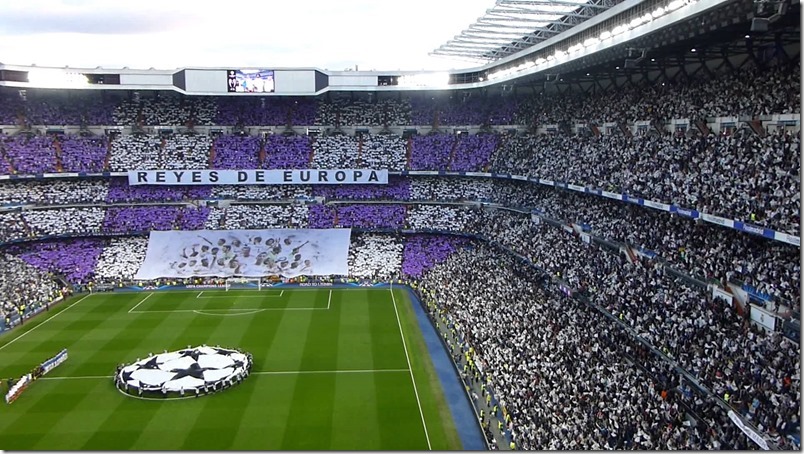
{"x":264,"y":415}
{"x":205,"y":433}
{"x":390,"y":423}
{"x":281,"y":346}
{"x":287,"y":354}
{"x":438,"y":416}
{"x":127,"y":419}
{"x":313,"y":400}
{"x":355,"y":421}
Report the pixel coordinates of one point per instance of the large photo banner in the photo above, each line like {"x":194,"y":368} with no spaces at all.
{"x":257,"y":176}
{"x":245,"y":253}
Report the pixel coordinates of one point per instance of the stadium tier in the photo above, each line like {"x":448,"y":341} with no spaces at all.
{"x":601,"y":277}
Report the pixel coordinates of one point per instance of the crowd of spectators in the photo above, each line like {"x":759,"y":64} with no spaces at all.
{"x":53,"y":192}
{"x":398,"y":188}
{"x":343,"y":112}
{"x":287,"y":152}
{"x":120,"y":260}
{"x":73,"y":259}
{"x":564,"y":375}
{"x":135,"y":152}
{"x":431,"y":152}
{"x":740,"y":176}
{"x":262,"y":192}
{"x":275,"y":111}
{"x":423,"y":252}
{"x":696,"y":248}
{"x":257,"y":217}
{"x":83,"y":154}
{"x":746,"y":92}
{"x":373,"y":256}
{"x":57,"y":108}
{"x":139,"y":219}
{"x":335,"y":152}
{"x":119,"y":191}
{"x":28,"y":153}
{"x":24,"y":288}
{"x":64,"y":221}
{"x":186,"y":151}
{"x":383,"y":151}
{"x":757,"y":372}
{"x":236,"y":152}
{"x":691,"y":172}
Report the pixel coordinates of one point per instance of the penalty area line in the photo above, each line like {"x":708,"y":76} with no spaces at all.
{"x":138,"y":304}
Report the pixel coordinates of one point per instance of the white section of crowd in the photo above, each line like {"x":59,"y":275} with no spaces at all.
{"x":65,"y":221}
{"x":257,"y":217}
{"x":375,"y":256}
{"x":121,"y":259}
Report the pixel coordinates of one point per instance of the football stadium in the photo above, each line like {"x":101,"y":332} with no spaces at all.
{"x":586,"y":236}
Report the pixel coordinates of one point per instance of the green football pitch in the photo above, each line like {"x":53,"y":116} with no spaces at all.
{"x":334,"y":369}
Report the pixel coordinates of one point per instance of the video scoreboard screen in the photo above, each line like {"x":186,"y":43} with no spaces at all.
{"x":250,"y":80}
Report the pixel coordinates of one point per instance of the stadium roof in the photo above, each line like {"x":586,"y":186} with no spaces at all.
{"x":513,"y":25}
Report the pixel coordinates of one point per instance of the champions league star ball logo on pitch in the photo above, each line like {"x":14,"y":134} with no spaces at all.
{"x":191,"y":372}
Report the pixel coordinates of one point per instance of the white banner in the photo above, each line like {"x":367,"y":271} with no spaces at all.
{"x":757,"y":438}
{"x":248,"y":253}
{"x":763,"y":318}
{"x":257,"y":176}
{"x":18,"y":388}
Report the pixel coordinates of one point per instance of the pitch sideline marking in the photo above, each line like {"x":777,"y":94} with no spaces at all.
{"x":410,"y":369}
{"x":143,"y":300}
{"x":46,"y":320}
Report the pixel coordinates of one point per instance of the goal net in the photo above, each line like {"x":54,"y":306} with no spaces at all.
{"x":243,"y":283}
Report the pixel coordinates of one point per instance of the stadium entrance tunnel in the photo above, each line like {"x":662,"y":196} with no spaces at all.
{"x":182,"y":374}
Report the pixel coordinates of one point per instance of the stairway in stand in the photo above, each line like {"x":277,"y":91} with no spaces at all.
{"x":58,"y":151}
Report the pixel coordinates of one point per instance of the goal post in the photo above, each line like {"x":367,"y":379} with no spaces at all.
{"x":243,"y":283}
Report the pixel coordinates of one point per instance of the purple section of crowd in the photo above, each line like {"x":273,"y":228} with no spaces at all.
{"x":83,"y":154}
{"x":431,"y":152}
{"x":236,"y":152}
{"x":423,"y":252}
{"x":75,"y":259}
{"x":291,"y":152}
